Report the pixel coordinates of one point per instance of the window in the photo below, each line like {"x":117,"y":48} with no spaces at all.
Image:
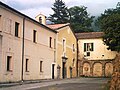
{"x":88,"y":53}
{"x":63,"y":45}
{"x":40,"y":19}
{"x":73,"y":48}
{"x":0,"y":18}
{"x":50,"y":42}
{"x":41,"y":62}
{"x":27,"y":65}
{"x":0,"y":23}
{"x":73,"y":62}
{"x":9,"y":67}
{"x":8,"y":26}
{"x":54,"y":56}
{"x":16,"y":29}
{"x":34,"y":35}
{"x":88,"y":47}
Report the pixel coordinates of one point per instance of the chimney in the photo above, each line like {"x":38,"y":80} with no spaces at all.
{"x":41,"y":18}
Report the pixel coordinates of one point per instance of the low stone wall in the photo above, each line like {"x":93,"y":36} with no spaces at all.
{"x":115,"y":82}
{"x":96,"y":68}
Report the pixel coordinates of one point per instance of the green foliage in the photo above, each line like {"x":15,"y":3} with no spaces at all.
{"x":109,"y":22}
{"x":77,"y":16}
{"x":61,"y":14}
{"x":80,"y":19}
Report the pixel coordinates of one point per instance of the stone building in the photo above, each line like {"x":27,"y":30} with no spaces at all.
{"x":66,"y":51}
{"x":94,"y":59}
{"x":32,"y":50}
{"x":27,"y":47}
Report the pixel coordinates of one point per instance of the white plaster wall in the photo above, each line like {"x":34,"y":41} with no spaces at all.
{"x":11,"y":45}
{"x":100,"y":51}
{"x":35,"y":52}
{"x":39,"y":51}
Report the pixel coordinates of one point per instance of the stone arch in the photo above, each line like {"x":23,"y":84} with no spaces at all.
{"x":86,"y":69}
{"x":97,"y":62}
{"x":85,"y":62}
{"x":97,"y":69}
{"x":108,"y":69}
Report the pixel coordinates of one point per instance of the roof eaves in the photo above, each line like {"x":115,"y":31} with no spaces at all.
{"x":89,"y":38}
{"x":68,"y":24}
{"x":62,"y":26}
{"x":40,"y":14}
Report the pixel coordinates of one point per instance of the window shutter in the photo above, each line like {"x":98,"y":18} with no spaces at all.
{"x":84,"y":47}
{"x":92,"y":46}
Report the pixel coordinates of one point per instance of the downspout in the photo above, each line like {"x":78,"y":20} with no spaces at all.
{"x":23,"y":50}
{"x":77,"y":59}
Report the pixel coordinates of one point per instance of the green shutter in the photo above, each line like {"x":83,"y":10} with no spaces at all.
{"x":92,"y":46}
{"x":84,"y":47}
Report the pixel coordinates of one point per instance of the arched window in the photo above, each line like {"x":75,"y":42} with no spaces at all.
{"x":40,"y":19}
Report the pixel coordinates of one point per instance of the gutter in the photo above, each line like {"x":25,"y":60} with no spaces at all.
{"x":23,"y":50}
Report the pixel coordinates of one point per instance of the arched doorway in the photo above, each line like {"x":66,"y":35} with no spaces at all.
{"x":108,"y":69}
{"x":97,"y":69}
{"x":86,"y":69}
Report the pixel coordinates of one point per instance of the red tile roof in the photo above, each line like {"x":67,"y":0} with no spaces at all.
{"x":89,"y":35}
{"x":57,"y":26}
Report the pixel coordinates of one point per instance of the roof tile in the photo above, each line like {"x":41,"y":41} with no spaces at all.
{"x":89,"y":35}
{"x":56,"y":26}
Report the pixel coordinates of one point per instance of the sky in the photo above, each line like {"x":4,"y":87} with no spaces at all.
{"x":34,"y":7}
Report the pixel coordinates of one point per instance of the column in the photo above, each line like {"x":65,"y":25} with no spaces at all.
{"x":103,"y":69}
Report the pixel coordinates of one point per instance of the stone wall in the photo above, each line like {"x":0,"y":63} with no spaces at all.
{"x":96,"y":68}
{"x":115,"y":82}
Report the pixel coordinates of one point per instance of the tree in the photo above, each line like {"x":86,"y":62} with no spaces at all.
{"x":77,"y":16}
{"x":80,"y":20}
{"x":61,"y":14}
{"x":109,"y":23}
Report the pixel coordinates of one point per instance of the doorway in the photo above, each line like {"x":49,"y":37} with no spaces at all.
{"x":53,"y":71}
{"x":64,"y":70}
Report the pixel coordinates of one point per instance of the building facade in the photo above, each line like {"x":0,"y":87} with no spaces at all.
{"x":39,"y":51}
{"x":31,"y":50}
{"x":27,"y":47}
{"x":66,"y":51}
{"x":93,"y":56}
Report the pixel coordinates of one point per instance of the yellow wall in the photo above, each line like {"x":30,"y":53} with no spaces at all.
{"x":43,"y":19}
{"x":99,"y":63}
{"x":67,"y":34}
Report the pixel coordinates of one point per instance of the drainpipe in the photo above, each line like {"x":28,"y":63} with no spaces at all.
{"x":23,"y":49}
{"x":77,"y":59}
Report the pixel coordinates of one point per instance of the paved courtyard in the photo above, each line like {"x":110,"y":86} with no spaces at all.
{"x":66,"y":84}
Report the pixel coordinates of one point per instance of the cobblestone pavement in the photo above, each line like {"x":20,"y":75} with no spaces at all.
{"x":65,"y":84}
